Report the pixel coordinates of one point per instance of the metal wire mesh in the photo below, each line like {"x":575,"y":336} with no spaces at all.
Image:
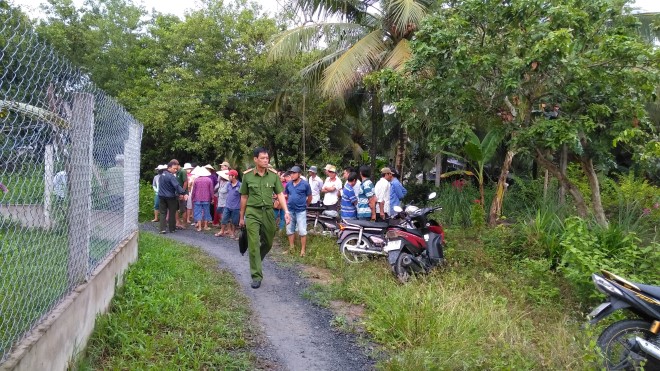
{"x":69,"y":163}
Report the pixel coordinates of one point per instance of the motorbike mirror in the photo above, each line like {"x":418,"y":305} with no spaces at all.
{"x":397,"y":208}
{"x":432,"y":195}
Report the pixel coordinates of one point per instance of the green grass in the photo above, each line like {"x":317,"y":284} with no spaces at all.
{"x":33,"y":277}
{"x":176,"y":310}
{"x":25,"y":188}
{"x":484,"y":311}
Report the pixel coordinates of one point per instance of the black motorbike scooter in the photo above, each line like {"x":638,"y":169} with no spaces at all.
{"x":628,"y":344}
{"x":322,"y":221}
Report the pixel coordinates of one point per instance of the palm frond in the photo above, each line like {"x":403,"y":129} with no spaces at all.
{"x":309,"y":37}
{"x":313,"y":72}
{"x":405,"y":13}
{"x":351,"y":10}
{"x":349,"y":68}
{"x":399,"y":55}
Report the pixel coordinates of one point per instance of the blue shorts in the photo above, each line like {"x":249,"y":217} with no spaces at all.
{"x":299,"y":222}
{"x":230,"y":216}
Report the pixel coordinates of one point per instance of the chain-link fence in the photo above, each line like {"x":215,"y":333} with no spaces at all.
{"x":69,"y":168}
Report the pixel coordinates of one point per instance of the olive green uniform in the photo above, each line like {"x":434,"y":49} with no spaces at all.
{"x":259,"y":216}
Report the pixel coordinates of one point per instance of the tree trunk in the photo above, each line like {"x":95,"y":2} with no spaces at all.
{"x":563,"y":180}
{"x":498,"y":200}
{"x":438,"y":169}
{"x":401,"y":149}
{"x":563,"y":167}
{"x":590,"y":172}
{"x":376,"y":117}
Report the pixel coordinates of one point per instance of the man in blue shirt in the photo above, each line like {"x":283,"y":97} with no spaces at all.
{"x":397,"y":192}
{"x":348,"y":198}
{"x":299,"y":195}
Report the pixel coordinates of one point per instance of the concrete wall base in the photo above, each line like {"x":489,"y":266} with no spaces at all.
{"x":64,"y":331}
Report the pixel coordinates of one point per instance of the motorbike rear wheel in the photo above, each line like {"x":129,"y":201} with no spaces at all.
{"x":618,"y":346}
{"x":354,"y":241}
{"x":403,"y":269}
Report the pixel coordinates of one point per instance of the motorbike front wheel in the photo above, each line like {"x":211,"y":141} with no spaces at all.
{"x":354,"y":241}
{"x":317,"y":229}
{"x":619,"y":347}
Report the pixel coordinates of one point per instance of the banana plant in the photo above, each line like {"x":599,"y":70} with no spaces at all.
{"x":477,"y":154}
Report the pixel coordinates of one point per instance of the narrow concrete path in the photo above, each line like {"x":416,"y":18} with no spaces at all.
{"x":299,"y":333}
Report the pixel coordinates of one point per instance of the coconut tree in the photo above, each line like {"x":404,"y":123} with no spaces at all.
{"x":353,"y":39}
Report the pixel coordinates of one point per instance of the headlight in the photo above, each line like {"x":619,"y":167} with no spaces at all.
{"x":605,"y":286}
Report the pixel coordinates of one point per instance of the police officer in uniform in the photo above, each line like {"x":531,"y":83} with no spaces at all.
{"x":259,"y":185}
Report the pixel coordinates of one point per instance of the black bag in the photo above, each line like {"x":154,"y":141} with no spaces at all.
{"x":242,"y":241}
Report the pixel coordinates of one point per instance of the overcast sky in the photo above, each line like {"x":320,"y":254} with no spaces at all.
{"x":178,"y":7}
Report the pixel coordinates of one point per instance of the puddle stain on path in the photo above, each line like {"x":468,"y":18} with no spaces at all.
{"x":299,"y":334}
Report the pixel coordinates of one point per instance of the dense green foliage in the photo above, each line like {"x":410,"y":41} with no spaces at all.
{"x":175,"y":310}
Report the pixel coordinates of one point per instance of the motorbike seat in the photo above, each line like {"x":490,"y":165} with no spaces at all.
{"x":315,"y":209}
{"x":651,"y":290}
{"x":368,"y":224}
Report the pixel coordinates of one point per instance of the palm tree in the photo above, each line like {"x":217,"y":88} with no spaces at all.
{"x":368,"y":36}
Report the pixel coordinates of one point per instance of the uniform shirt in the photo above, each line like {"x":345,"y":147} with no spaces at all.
{"x":181,"y":176}
{"x":168,"y":186}
{"x":203,"y":189}
{"x":348,"y":201}
{"x":331,"y":198}
{"x":365,"y":193}
{"x":260,"y":188}
{"x":316,"y":184}
{"x":382,"y":191}
{"x":397,"y":193}
{"x":233,"y":196}
{"x":297,"y":200}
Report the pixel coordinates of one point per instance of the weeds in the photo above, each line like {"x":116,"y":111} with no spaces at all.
{"x":175,"y":310}
{"x":482,"y":312}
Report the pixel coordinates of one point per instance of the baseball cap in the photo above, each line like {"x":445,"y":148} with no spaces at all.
{"x":385,"y":170}
{"x":296,"y":169}
{"x":313,"y":169}
{"x":233,"y":172}
{"x":225,"y":164}
{"x":331,"y":168}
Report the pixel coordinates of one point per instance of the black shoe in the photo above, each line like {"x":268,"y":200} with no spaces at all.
{"x":255,"y":284}
{"x":173,"y":231}
{"x":163,"y":232}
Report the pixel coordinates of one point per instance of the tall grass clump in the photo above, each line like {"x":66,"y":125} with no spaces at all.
{"x":176,"y":310}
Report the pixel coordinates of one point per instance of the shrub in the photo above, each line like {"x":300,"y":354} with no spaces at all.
{"x":589,"y":248}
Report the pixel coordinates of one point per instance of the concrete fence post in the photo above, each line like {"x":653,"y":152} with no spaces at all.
{"x":48,"y":185}
{"x":79,"y":169}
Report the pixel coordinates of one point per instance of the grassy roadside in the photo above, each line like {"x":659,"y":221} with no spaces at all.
{"x":175,"y":310}
{"x":484,"y":311}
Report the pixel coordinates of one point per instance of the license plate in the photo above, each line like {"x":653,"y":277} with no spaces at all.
{"x":393,"y":245}
{"x":598,"y":309}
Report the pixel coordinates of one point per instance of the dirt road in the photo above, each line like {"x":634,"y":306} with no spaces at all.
{"x":298,"y":334}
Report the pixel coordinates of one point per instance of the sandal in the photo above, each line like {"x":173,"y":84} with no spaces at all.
{"x":218,"y":234}
{"x":180,"y":227}
{"x":207,"y":229}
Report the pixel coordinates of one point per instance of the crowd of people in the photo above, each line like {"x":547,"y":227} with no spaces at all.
{"x":264,"y":200}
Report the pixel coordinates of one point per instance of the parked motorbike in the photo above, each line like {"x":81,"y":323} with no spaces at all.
{"x":417,"y":245}
{"x":322,"y":221}
{"x":360,"y":240}
{"x":632,"y":343}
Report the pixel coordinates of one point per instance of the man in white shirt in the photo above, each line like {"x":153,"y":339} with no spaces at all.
{"x":331,"y":187}
{"x":316,"y":183}
{"x":382,"y":191}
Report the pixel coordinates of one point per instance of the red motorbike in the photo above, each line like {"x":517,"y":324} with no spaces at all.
{"x":416,"y":246}
{"x":411,"y":242}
